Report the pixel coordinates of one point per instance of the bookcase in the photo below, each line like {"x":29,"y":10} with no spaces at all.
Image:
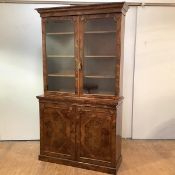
{"x":81,"y":108}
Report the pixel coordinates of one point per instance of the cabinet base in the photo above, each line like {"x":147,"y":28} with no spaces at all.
{"x":88,"y":166}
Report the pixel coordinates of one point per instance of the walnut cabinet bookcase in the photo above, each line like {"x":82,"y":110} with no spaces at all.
{"x":80,"y":110}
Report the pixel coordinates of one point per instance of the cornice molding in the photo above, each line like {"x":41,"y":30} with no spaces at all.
{"x":45,"y":2}
{"x":151,"y":4}
{"x":83,"y":3}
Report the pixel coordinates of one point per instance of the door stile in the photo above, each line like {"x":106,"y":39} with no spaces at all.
{"x":78,"y":77}
{"x":81,"y":51}
{"x":44,"y":55}
{"x":117,"y":19}
{"x":76,"y":30}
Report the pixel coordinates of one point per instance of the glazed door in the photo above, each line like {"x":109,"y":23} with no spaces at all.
{"x":99,"y":54}
{"x":82,"y":55}
{"x":96,"y":136}
{"x":58,"y":130}
{"x":60,"y":52}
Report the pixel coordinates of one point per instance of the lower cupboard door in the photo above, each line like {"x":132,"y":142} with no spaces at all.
{"x":58,"y":132}
{"x":96,"y":137}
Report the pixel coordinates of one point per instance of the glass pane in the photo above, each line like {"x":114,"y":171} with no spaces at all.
{"x":59,"y":26}
{"x":99,"y":66}
{"x":100,"y":44}
{"x":100,"y":24}
{"x":99,"y":56}
{"x":63,"y":84}
{"x":99,"y":86}
{"x":61,"y":45}
{"x":60,"y":55}
{"x":61,"y":65}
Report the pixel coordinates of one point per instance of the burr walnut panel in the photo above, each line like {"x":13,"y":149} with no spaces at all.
{"x":58,"y":128}
{"x":95,"y":135}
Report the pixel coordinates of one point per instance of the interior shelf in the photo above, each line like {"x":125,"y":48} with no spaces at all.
{"x":60,"y":33}
{"x":61,"y":75}
{"x":60,"y":56}
{"x":99,"y":76}
{"x":100,"y":56}
{"x":99,"y":32}
{"x":102,"y":93}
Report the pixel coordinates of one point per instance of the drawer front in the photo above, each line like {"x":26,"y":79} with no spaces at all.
{"x":57,"y":130}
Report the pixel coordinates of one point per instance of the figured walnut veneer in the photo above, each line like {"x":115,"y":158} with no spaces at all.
{"x":83,"y":130}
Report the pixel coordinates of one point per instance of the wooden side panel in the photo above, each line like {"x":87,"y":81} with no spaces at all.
{"x":120,"y":47}
{"x":118,"y":131}
{"x":95,"y":138}
{"x":58,"y":131}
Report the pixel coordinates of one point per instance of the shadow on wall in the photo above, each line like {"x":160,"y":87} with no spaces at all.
{"x":165,"y":131}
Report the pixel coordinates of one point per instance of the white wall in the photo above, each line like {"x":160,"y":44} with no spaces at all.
{"x":128,"y":70}
{"x":154,"y":83}
{"x":21,"y":72}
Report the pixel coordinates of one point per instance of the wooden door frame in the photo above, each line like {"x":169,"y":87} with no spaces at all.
{"x":83,"y":19}
{"x":74,"y":20}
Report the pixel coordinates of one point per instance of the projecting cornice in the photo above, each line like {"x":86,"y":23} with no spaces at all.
{"x":81,"y":3}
